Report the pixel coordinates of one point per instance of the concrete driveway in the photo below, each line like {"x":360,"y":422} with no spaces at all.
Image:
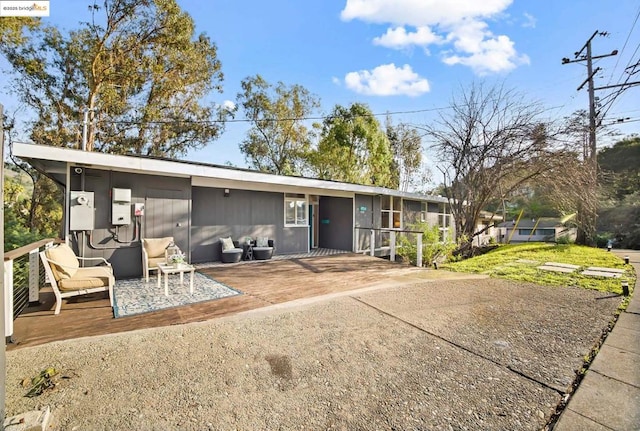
{"x":415,"y":355}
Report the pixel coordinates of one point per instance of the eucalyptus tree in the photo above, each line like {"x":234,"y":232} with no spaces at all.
{"x":354,"y":148}
{"x":487,"y":145}
{"x":408,"y":170}
{"x":279,"y":139}
{"x":137,"y":69}
{"x":12,"y":29}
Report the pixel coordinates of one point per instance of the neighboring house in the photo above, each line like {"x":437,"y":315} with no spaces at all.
{"x":487,"y":224}
{"x":544,"y":229}
{"x":112,"y":201}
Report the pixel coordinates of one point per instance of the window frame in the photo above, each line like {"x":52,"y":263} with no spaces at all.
{"x":391,"y":212}
{"x":296,"y":198}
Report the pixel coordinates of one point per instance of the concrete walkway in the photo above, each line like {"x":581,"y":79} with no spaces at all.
{"x":608,"y":397}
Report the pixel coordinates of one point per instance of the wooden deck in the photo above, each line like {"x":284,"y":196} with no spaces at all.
{"x":262,"y":284}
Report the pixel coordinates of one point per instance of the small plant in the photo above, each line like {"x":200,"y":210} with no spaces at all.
{"x":433,"y":249}
{"x":40,"y":382}
{"x":177,"y":258}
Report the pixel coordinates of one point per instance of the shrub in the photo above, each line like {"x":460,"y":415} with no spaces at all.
{"x":433,"y":249}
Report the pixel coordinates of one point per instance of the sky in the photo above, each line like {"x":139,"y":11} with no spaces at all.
{"x":411,"y":57}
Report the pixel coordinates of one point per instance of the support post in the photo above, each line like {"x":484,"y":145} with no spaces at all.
{"x":34,"y":277}
{"x":8,"y":298}
{"x":372,"y":243}
{"x":393,"y":246}
{"x":3,"y":363}
{"x":419,"y":251}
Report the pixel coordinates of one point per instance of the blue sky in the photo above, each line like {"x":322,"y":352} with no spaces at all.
{"x":410,"y":55}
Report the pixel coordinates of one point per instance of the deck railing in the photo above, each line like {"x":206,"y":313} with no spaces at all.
{"x":23,"y":279}
{"x":391,"y":247}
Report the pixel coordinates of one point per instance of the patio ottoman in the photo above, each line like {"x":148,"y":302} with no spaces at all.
{"x":232,"y":255}
{"x":262,"y":253}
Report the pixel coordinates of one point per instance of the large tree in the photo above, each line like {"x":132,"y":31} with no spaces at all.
{"x":354,"y":148}
{"x":137,"y":69}
{"x":279,"y":140}
{"x":488,"y":144}
{"x":408,"y":172}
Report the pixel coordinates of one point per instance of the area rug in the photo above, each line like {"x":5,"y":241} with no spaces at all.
{"x":135,"y":296}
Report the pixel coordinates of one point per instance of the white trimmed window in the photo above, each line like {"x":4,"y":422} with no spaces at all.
{"x":391,"y":212}
{"x":444,"y":222}
{"x":295,"y":210}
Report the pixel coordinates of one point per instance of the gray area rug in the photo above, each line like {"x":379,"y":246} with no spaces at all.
{"x":135,"y":296}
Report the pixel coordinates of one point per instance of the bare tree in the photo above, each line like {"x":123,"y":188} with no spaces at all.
{"x":487,"y":145}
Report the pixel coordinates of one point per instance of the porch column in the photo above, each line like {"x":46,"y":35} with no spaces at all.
{"x":393,"y":246}
{"x":419,"y":251}
{"x":8,"y":298}
{"x":372,"y":243}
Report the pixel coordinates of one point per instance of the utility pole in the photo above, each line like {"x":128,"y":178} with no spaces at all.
{"x":588,"y":57}
{"x":588,"y":212}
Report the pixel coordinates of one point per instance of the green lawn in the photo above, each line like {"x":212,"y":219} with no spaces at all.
{"x":520,"y":261}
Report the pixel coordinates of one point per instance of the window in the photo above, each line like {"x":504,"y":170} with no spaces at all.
{"x":543,"y":232}
{"x":391,"y":212}
{"x":295,"y":209}
{"x":444,"y":222}
{"x":423,"y":212}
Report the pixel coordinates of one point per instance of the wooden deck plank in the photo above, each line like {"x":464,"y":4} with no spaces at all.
{"x":262,"y":283}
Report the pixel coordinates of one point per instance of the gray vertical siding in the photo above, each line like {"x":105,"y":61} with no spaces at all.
{"x":243,"y":213}
{"x":166,"y":205}
{"x":336,"y":223}
{"x":365,"y":219}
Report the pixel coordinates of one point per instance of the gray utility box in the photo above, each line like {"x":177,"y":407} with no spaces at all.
{"x":81,"y":211}
{"x":120,"y":206}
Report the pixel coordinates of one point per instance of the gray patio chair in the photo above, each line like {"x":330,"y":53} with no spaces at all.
{"x":263,"y":249}
{"x":231,"y":250}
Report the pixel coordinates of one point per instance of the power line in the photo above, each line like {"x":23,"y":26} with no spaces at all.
{"x":249,"y":120}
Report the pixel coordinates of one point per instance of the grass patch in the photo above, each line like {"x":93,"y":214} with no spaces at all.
{"x":519,"y":262}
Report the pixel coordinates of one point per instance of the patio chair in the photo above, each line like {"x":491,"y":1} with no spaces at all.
{"x":231,"y":250}
{"x":263,"y":249}
{"x":68,"y":278}
{"x":153,"y":253}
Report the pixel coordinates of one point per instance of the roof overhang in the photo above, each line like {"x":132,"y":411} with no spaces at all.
{"x":55,"y":162}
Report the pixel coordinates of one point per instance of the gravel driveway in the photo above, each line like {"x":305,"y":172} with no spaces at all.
{"x":439,"y":355}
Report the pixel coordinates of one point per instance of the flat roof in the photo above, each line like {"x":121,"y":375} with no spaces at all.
{"x":53,"y":162}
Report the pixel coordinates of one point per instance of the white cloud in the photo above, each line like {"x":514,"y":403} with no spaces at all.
{"x":530,"y":21}
{"x":398,"y":38}
{"x":418,"y":13}
{"x":228,"y":105}
{"x":387,"y":80}
{"x":477,"y":48}
{"x":459,"y":26}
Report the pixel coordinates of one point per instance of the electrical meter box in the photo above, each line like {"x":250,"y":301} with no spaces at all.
{"x":120,"y":206}
{"x":138,"y":209}
{"x":81,"y":211}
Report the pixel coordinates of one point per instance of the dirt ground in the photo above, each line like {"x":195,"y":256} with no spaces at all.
{"x":409,"y":354}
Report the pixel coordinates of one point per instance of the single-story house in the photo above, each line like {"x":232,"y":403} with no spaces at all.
{"x":487,"y":228}
{"x":113,"y":201}
{"x":531,"y":230}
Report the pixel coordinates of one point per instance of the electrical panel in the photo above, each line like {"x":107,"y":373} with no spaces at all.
{"x":120,"y":206}
{"x":81,"y":211}
{"x":138,"y":209}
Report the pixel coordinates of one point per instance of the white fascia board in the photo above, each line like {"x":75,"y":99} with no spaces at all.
{"x":206,"y":175}
{"x":258,"y":186}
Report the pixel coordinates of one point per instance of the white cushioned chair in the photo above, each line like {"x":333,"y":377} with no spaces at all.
{"x":68,"y":278}
{"x":153,"y":253}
